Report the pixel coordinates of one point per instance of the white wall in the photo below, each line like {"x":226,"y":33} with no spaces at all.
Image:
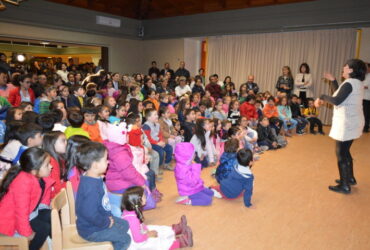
{"x":365,"y":45}
{"x":162,"y":51}
{"x":125,"y":55}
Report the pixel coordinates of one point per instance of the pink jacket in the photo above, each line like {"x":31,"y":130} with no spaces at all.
{"x":187,"y":174}
{"x":121,"y":174}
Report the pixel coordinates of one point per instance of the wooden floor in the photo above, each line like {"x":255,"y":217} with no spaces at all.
{"x":292,"y":207}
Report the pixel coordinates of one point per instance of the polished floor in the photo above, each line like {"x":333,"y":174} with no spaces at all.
{"x":292,"y":207}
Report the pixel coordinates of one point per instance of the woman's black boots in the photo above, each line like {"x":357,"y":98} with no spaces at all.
{"x":343,"y":186}
{"x":351,"y":180}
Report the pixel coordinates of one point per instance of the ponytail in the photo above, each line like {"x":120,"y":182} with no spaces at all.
{"x":132,"y":201}
{"x":10,"y":176}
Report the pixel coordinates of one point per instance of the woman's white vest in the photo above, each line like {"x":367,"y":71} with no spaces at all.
{"x":348,"y":118}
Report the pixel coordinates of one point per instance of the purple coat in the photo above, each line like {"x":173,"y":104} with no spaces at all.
{"x":187,"y":174}
{"x":121,"y":173}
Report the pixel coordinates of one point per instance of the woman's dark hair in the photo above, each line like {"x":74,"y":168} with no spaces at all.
{"x":232,"y":145}
{"x":150,"y":91}
{"x":162,"y":110}
{"x":76,"y":119}
{"x":117,"y":107}
{"x":23,"y":105}
{"x":11,"y":130}
{"x":88,"y":153}
{"x":24,"y":77}
{"x":134,"y":103}
{"x":200,"y":132}
{"x":232,"y":131}
{"x":48,"y":144}
{"x":359,"y":69}
{"x":244,"y":156}
{"x":31,"y":159}
{"x":57,"y":114}
{"x":132,"y":201}
{"x":131,"y":118}
{"x":271,"y":98}
{"x":46,"y":121}
{"x":306,"y":66}
{"x":72,"y":145}
{"x":181,"y":105}
{"x":10,"y":114}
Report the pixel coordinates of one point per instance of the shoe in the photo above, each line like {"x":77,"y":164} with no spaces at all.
{"x":216,"y":193}
{"x":180,"y":227}
{"x":256,"y":157}
{"x":343,"y":187}
{"x":313,"y":132}
{"x":351,"y":178}
{"x":321,"y":133}
{"x":183,"y":200}
{"x":168,"y":167}
{"x":264,"y":148}
{"x":186,"y":239}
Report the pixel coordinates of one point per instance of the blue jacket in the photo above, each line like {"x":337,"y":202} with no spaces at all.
{"x":92,"y":206}
{"x":235,"y":184}
{"x":227,"y":163}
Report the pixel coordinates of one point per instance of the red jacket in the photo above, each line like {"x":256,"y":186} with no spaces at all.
{"x":248,"y":110}
{"x":56,"y":178}
{"x":19,"y":202}
{"x":15,"y":96}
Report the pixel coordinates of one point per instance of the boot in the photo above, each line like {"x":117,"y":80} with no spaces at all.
{"x":186,"y":238}
{"x":343,"y":186}
{"x":180,"y":227}
{"x":351,"y":180}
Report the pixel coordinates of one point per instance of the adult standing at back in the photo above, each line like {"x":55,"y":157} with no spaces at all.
{"x":303,"y":83}
{"x":181,"y":71}
{"x":348,"y":119}
{"x":154,"y":69}
{"x":366,"y":101}
{"x":285,"y":82}
{"x":166,"y":69}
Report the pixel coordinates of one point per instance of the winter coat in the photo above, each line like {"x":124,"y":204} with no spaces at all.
{"x":248,"y":110}
{"x":121,"y":173}
{"x":15,"y":98}
{"x":227,"y":162}
{"x":20,"y":201}
{"x":187,"y":174}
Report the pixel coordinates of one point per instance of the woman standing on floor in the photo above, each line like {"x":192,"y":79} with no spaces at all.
{"x":303,"y":84}
{"x":348,"y":119}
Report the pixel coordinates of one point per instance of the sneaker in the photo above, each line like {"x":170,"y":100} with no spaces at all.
{"x":264,"y":148}
{"x":168,"y":167}
{"x":313,"y":132}
{"x":180,"y":227}
{"x":256,"y":157}
{"x":216,"y":193}
{"x":183,"y":200}
{"x":213,"y":173}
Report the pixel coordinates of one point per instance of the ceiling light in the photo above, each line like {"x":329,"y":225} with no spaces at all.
{"x":21,"y":58}
{"x":44,"y":43}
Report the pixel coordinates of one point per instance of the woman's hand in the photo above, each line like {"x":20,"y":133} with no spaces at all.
{"x":329,"y":76}
{"x":152,"y":234}
{"x":318,"y":102}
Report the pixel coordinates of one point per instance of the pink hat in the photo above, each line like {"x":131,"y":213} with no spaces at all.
{"x":117,"y":133}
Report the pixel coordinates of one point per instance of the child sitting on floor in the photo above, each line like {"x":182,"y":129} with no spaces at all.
{"x":240,"y":178}
{"x":189,"y":183}
{"x":152,"y":237}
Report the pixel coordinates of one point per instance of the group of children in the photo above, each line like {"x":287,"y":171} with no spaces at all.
{"x":114,"y":148}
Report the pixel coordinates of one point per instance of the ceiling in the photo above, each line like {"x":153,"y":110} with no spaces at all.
{"x":151,"y":9}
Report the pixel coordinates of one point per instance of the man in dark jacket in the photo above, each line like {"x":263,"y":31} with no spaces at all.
{"x":182,"y":71}
{"x":154,"y":69}
{"x":167,"y":69}
{"x":251,"y":85}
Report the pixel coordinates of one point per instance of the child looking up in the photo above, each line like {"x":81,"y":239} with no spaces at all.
{"x":77,"y":98}
{"x":152,"y":237}
{"x":95,"y":221}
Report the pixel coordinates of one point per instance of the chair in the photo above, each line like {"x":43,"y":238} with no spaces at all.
{"x":64,"y":234}
{"x":71,"y":201}
{"x":20,"y":242}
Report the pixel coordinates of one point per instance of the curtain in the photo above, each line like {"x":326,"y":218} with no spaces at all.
{"x":264,"y":55}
